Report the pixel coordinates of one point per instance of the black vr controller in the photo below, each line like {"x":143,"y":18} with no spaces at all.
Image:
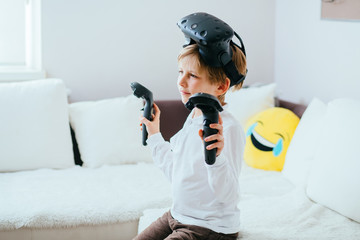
{"x":214,"y":37}
{"x":142,"y":92}
{"x":210,"y":107}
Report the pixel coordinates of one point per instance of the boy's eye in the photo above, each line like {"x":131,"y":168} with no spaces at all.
{"x":192,"y":75}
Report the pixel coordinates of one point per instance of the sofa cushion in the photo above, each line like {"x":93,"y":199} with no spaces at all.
{"x":249,"y":101}
{"x":34,"y":129}
{"x":108,"y":131}
{"x":78,"y":196}
{"x":149,"y":216}
{"x":301,"y":151}
{"x":334,"y":179}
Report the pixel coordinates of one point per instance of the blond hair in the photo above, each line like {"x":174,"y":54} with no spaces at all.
{"x":216,"y":75}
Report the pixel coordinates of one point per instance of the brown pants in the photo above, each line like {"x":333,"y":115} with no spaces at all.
{"x":166,"y":227}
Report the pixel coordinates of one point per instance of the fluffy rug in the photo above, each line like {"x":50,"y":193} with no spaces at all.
{"x":80,"y":196}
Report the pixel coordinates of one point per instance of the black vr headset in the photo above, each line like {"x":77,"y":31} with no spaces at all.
{"x":214,"y":38}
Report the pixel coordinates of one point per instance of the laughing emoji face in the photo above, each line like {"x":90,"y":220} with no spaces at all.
{"x":268,"y":137}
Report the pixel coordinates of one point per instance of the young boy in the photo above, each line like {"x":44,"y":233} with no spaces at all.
{"x":205,"y":197}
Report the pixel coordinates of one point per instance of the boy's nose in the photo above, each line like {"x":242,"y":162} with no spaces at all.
{"x":182,"y":80}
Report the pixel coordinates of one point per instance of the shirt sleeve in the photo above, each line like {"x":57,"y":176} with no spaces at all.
{"x":223,"y":175}
{"x":161,"y":154}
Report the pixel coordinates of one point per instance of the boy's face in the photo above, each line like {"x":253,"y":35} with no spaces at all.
{"x":193,"y":80}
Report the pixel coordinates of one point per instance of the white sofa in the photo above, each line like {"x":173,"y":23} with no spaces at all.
{"x":45,"y":195}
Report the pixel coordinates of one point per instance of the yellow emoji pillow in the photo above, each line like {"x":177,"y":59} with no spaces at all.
{"x":268,"y":135}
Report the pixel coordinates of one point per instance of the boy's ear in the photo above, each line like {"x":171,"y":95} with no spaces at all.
{"x":223,"y":87}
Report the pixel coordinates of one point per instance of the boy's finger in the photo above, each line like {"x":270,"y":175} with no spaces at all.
{"x":156,"y":110}
{"x":201,"y":133}
{"x":144,"y":120}
{"x":220,"y":119}
{"x":214,"y":145}
{"x":217,"y":126}
{"x":156,"y":107}
{"x":213,"y":137}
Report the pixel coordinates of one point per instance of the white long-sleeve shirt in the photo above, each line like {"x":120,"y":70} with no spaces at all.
{"x":203,"y":195}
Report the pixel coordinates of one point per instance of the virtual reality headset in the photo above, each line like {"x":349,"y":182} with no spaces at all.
{"x":214,"y":38}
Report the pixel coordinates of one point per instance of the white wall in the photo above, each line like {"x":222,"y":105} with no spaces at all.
{"x":99,"y":47}
{"x":314,"y":57}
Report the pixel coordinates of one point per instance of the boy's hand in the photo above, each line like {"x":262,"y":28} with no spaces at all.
{"x":153,"y":126}
{"x":219,"y":137}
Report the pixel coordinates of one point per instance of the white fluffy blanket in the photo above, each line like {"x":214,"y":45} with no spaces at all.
{"x":78,"y":196}
{"x":272,"y":208}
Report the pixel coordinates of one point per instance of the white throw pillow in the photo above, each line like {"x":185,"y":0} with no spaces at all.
{"x":249,"y":101}
{"x":108,"y":131}
{"x":334,"y":180}
{"x":303,"y":145}
{"x":34,"y":129}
